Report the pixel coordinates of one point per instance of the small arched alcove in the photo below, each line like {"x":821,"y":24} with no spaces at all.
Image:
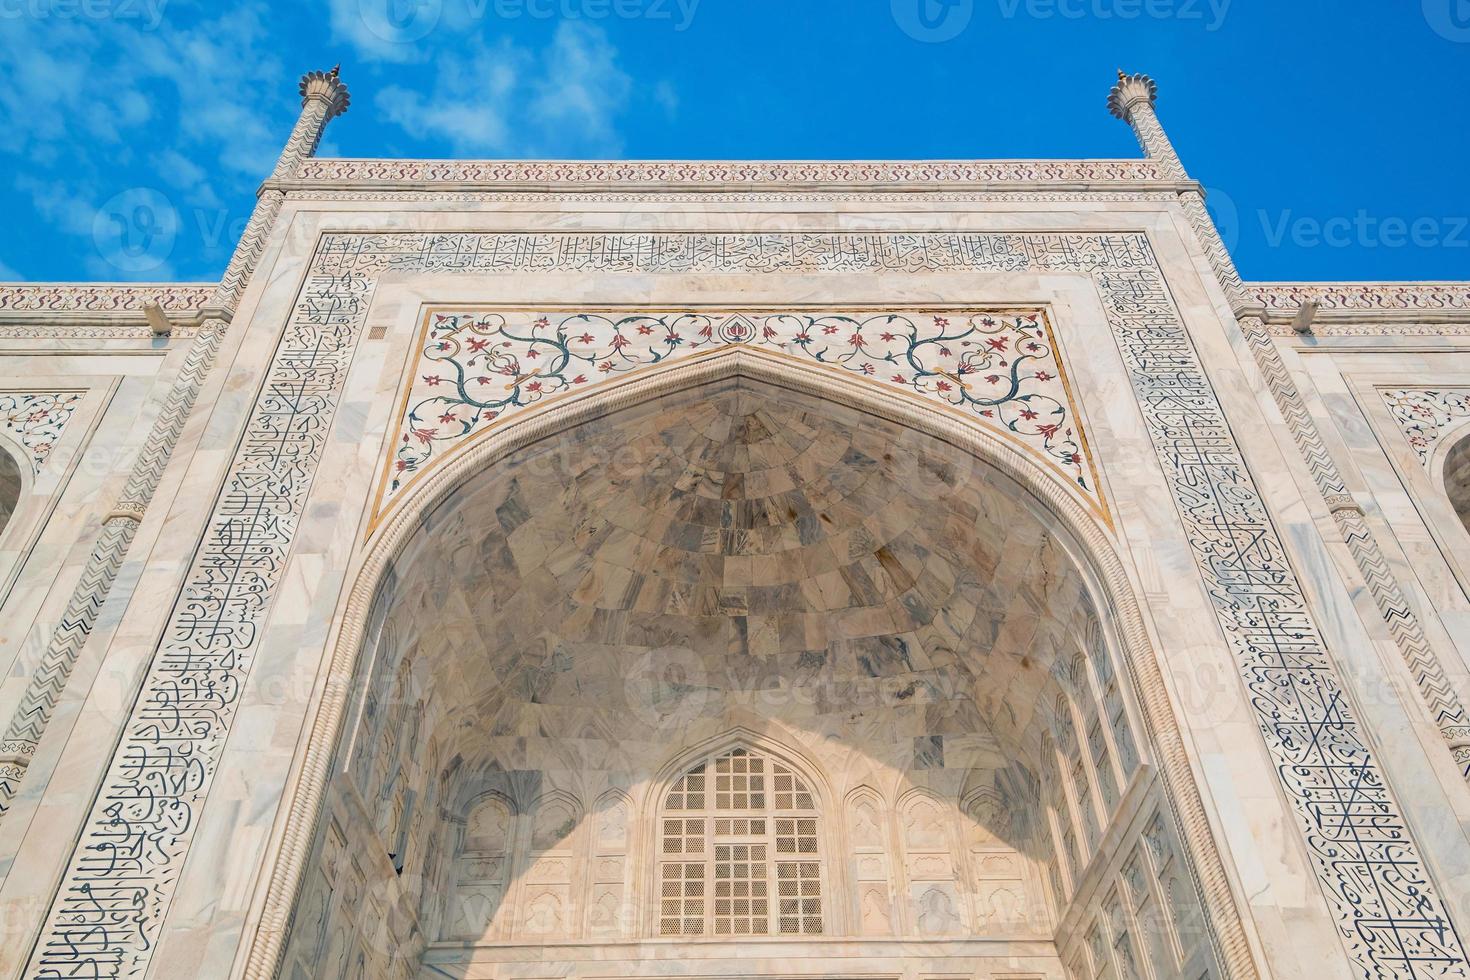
{"x":739,"y":675}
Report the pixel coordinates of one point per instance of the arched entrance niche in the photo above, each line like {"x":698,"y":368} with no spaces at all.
{"x":730,"y":675}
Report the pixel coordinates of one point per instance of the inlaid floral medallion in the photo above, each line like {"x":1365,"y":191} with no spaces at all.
{"x":1424,"y":414}
{"x":475,"y":369}
{"x":35,"y":419}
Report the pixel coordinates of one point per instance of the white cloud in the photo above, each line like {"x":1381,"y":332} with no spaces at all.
{"x":188,"y":176}
{"x":223,"y":73}
{"x":385,"y":30}
{"x":195,"y":107}
{"x":582,"y":88}
{"x":469,"y":105}
{"x":69,"y":205}
{"x":667,"y":98}
{"x":505,"y":100}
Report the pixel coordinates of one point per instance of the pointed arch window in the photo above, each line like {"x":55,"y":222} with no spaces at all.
{"x":739,"y":850}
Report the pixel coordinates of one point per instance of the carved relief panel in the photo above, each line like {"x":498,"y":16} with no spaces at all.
{"x":867,"y":829}
{"x":934,"y":904}
{"x":482,"y":871}
{"x":547,"y":907}
{"x":610,"y":909}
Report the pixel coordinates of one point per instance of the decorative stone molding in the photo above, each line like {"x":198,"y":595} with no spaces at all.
{"x":45,"y":311}
{"x":183,"y":299}
{"x":1363,"y":309}
{"x":36,"y":420}
{"x":1372,"y":326}
{"x":100,"y":312}
{"x":1424,"y":414}
{"x":479,"y":369}
{"x":623,"y":173}
{"x":1374,"y":297}
{"x":51,"y":330}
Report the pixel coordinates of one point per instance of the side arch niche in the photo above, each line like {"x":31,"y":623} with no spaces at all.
{"x":12,"y":486}
{"x":1455,"y":472}
{"x":733,"y":563}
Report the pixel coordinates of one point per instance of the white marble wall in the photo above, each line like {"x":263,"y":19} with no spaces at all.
{"x":213,"y":917}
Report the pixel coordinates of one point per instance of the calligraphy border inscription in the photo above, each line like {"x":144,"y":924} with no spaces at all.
{"x":122,"y":873}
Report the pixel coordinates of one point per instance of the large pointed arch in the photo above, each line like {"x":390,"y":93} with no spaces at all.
{"x":1086,"y":541}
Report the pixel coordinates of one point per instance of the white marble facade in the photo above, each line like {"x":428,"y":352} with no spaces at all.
{"x":922,"y":570}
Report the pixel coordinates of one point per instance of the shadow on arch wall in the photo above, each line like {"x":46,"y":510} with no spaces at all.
{"x":739,"y":676}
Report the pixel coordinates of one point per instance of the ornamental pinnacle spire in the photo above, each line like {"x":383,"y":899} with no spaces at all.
{"x":1132,"y":100}
{"x":1129,"y":91}
{"x":326,"y":86}
{"x":323,"y":98}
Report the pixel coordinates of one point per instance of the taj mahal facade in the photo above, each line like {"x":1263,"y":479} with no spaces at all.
{"x":844,"y":570}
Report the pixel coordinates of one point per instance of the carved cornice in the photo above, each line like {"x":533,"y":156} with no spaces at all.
{"x":1360,"y":325}
{"x":183,"y":298}
{"x":448,"y":195}
{"x":1371,"y":297}
{"x":567,"y":175}
{"x":100,"y":311}
{"x":1363,"y":309}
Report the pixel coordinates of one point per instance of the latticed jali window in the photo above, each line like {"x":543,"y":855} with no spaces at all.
{"x":739,"y":853}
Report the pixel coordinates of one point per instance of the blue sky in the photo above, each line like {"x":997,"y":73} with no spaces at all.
{"x":1333,"y":135}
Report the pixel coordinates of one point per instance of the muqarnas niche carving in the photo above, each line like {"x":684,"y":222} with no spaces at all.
{"x":675,"y":754}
